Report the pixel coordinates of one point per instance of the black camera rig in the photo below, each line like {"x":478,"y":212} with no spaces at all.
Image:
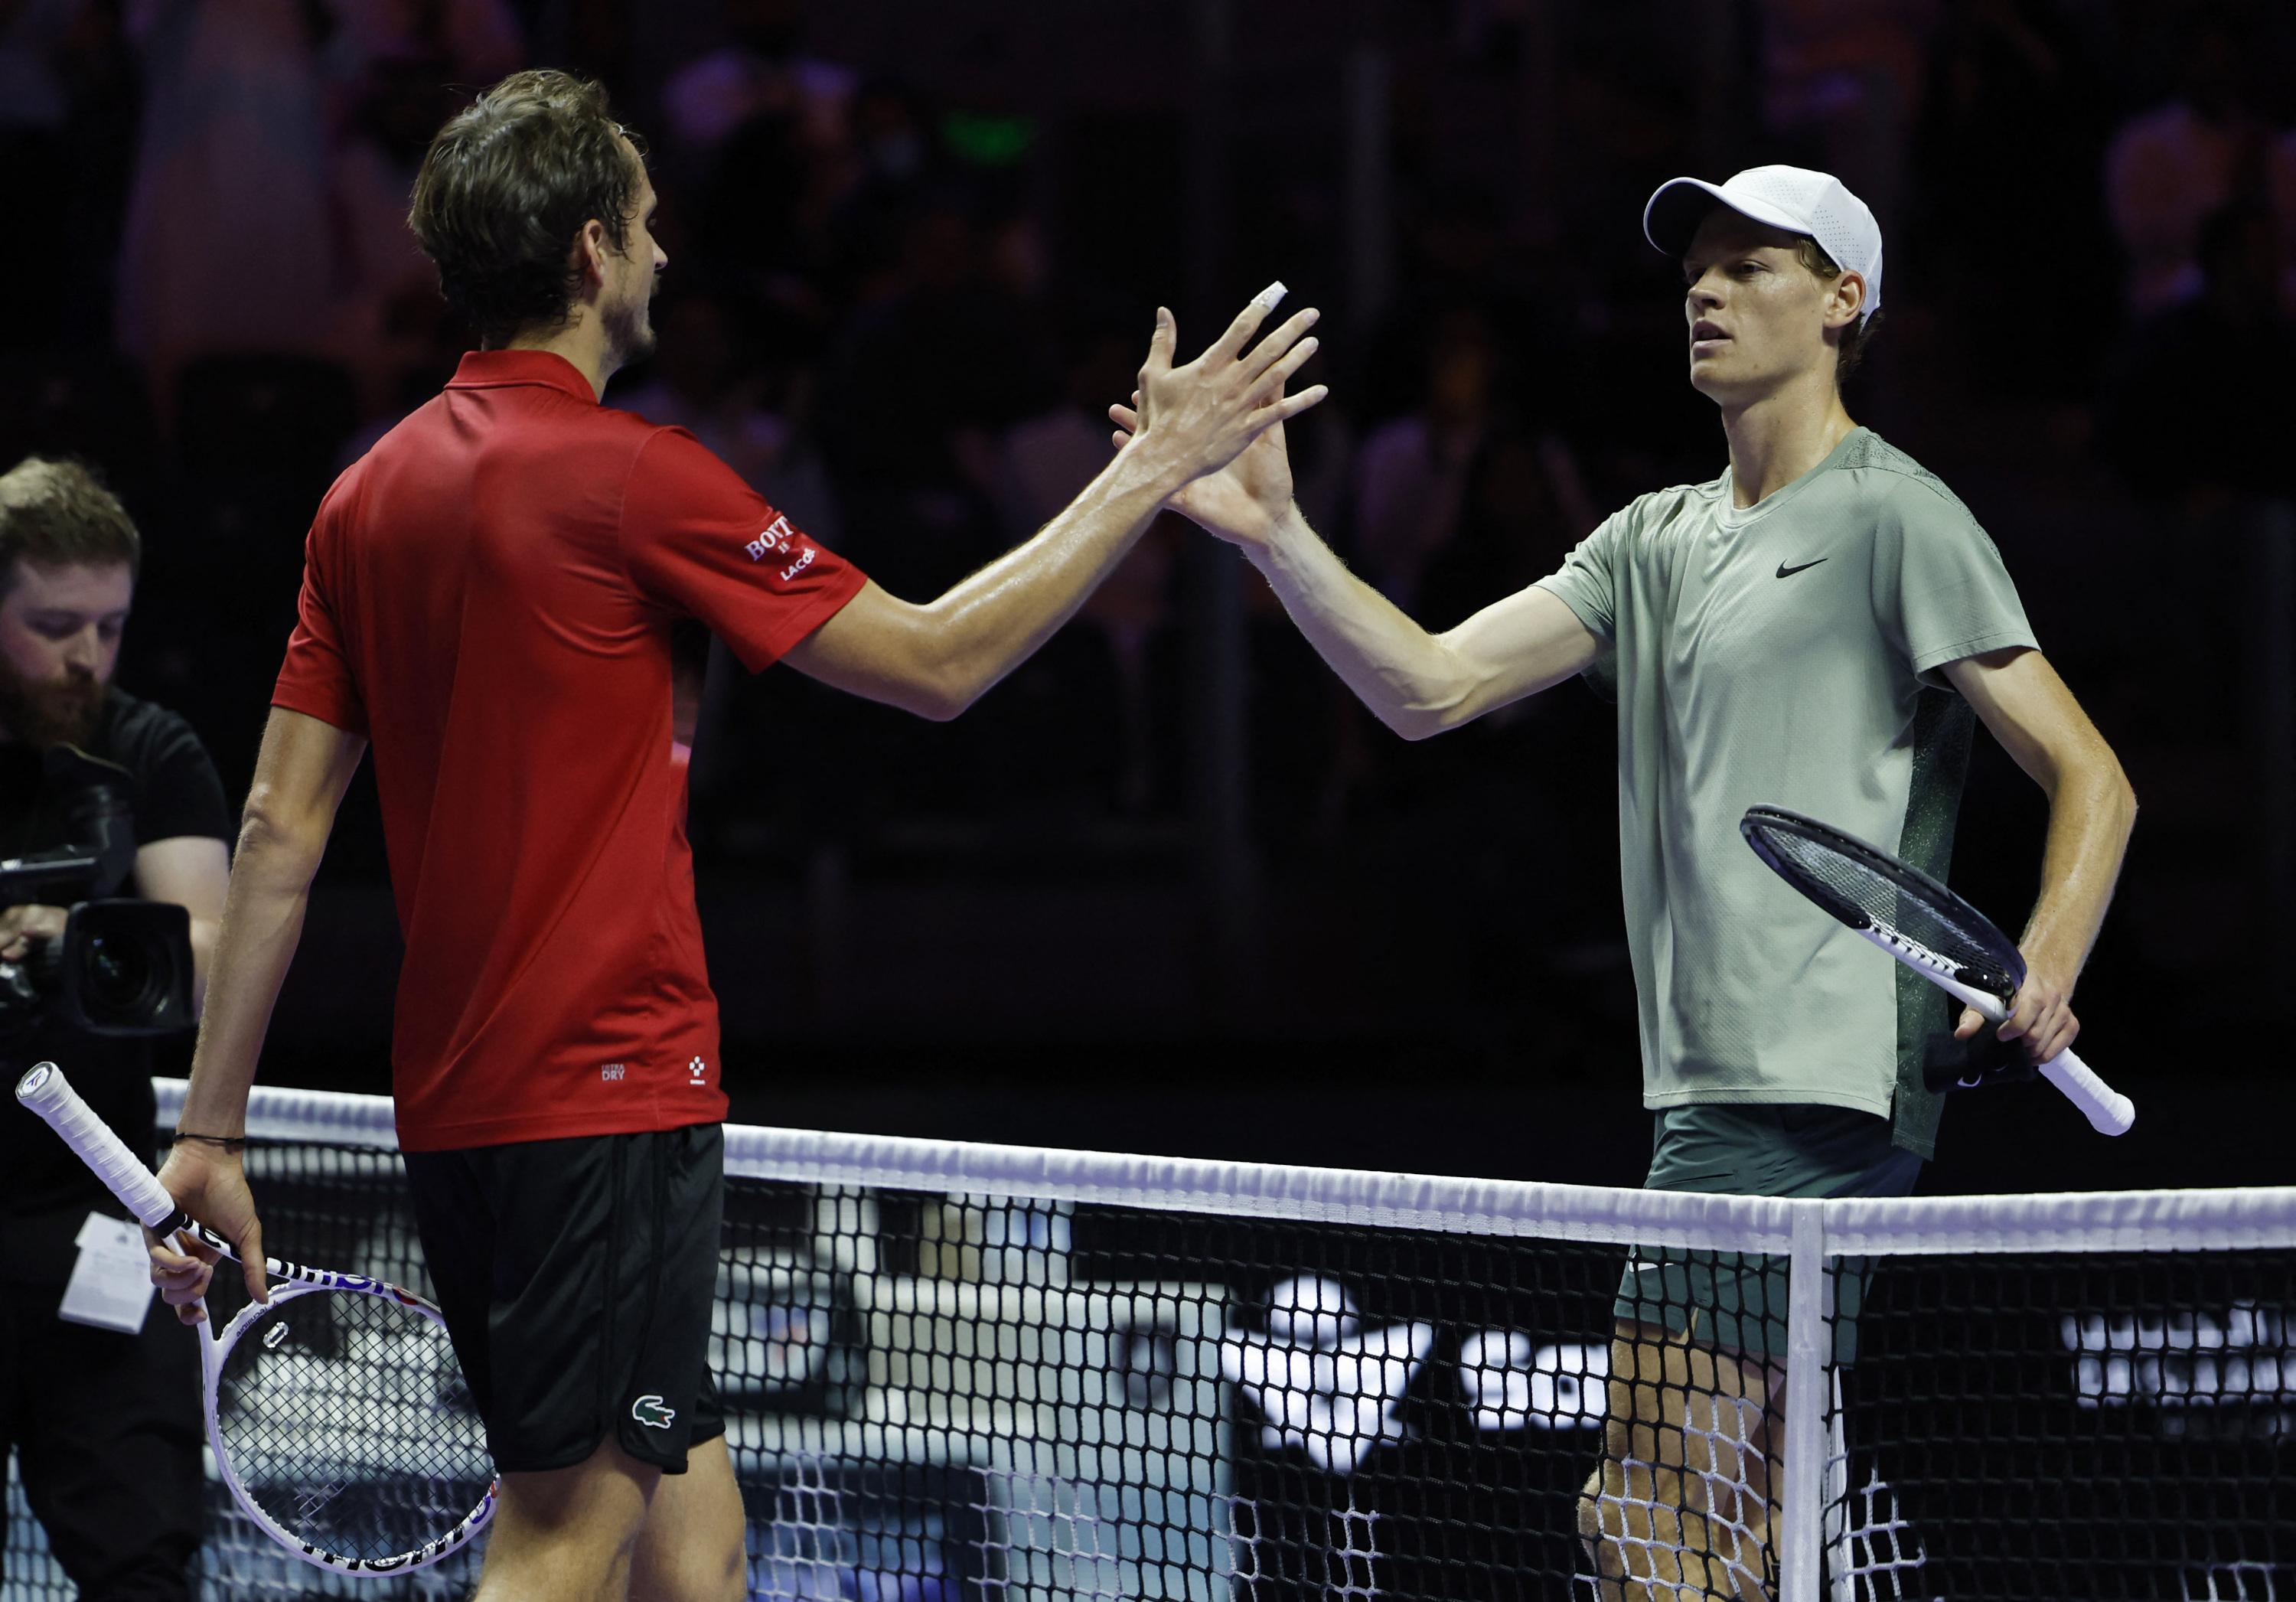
{"x":122,"y":966}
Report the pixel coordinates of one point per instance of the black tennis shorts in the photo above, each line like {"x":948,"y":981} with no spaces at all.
{"x":577,"y":1278}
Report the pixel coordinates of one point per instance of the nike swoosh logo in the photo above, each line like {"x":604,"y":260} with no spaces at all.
{"x":1787,"y":572}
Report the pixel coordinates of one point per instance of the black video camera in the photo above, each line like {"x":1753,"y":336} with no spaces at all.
{"x":122,"y":966}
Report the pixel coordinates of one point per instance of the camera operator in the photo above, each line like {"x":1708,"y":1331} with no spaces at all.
{"x":105,"y":1421}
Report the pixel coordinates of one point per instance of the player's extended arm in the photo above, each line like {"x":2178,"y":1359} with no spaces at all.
{"x":937,"y":658}
{"x":1417,"y":683}
{"x":2091,"y":810}
{"x":305,"y":766}
{"x":194,"y":873}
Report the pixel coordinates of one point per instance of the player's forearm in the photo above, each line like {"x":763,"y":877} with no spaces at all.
{"x":2092,"y":810}
{"x":1406,"y":676}
{"x":256,"y":940}
{"x":989,"y":624}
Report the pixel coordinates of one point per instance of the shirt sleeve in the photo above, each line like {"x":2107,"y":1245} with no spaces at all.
{"x":702,"y":542}
{"x":1942,"y":586}
{"x":1588,"y":580}
{"x":317,"y":678}
{"x":177,"y":790}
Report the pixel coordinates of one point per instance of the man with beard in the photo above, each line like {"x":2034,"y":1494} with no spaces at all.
{"x":492,"y":597}
{"x":105,"y":1421}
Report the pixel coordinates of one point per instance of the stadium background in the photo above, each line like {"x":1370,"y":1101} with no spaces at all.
{"x":1169,"y":888}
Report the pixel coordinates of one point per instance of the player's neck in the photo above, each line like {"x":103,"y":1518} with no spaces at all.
{"x":1779,"y":437}
{"x":580,"y":342}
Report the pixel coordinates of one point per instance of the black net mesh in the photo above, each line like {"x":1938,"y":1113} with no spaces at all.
{"x":2099,"y":1426}
{"x":943,"y":1398}
{"x":1843,"y":873}
{"x":345,"y":1417}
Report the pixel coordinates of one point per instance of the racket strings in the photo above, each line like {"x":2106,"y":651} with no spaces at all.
{"x":346,"y":1419}
{"x":1894,"y":901}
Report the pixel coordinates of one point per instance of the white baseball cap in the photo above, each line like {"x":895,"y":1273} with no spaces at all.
{"x":1792,"y":198}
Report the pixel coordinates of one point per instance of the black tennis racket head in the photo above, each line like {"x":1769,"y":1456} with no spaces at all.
{"x":1867,"y":887}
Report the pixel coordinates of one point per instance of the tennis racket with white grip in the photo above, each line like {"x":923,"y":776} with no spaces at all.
{"x":1925,"y":927}
{"x":337,"y":1413}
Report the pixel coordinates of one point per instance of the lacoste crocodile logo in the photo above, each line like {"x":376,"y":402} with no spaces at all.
{"x":648,"y":1410}
{"x":1787,"y":572}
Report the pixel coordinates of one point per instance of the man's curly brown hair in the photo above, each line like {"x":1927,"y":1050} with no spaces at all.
{"x":506,"y":187}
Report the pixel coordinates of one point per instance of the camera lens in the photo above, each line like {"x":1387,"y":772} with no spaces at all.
{"x":119,"y":971}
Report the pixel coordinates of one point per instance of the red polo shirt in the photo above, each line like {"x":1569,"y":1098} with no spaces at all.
{"x":489,"y":595}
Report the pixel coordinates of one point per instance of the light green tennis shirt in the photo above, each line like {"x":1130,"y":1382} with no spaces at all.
{"x":1786,"y":652}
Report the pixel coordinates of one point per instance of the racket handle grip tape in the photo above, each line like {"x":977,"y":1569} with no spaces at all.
{"x":2107,"y":1110}
{"x":45,"y":1091}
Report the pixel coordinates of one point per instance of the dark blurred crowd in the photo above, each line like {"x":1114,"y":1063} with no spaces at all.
{"x":914,"y":252}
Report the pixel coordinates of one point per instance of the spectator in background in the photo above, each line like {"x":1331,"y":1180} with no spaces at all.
{"x":1844,"y":81}
{"x":387,"y":326}
{"x":1458,"y":500}
{"x":2171,"y":168}
{"x":474,"y":41}
{"x":763,"y":71}
{"x":396,"y":64}
{"x":2183,"y":417}
{"x":34,"y":104}
{"x":229,"y":234}
{"x":1044,"y":461}
{"x":759,"y":133}
{"x":67,"y":115}
{"x":763,"y":217}
{"x":919,"y":487}
{"x":2012,"y":111}
{"x":896,"y":174}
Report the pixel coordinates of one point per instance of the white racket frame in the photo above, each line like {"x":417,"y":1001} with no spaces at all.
{"x":47,"y":1092}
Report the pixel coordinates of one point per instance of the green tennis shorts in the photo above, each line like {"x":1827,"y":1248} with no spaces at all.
{"x":1738,"y":1300}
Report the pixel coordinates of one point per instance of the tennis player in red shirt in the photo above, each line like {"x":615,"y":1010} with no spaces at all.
{"x":488,"y":601}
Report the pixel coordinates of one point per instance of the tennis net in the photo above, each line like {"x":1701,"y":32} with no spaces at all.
{"x":959,"y":1372}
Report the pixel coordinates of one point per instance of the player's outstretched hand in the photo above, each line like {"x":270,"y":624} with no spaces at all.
{"x":1244,"y":501}
{"x":210,"y":1184}
{"x":1198,"y":418}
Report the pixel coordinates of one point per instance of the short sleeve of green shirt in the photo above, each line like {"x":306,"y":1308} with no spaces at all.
{"x":1585,"y":582}
{"x":1942,"y":593}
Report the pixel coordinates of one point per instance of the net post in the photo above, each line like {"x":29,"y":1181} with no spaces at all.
{"x":1808,"y":1338}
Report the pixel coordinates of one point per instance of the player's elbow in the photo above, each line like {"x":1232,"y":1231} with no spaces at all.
{"x":2108,"y":781}
{"x":938,"y":688}
{"x":940,"y":702}
{"x":1425,"y":710}
{"x":278,"y":840}
{"x":925,"y":676}
{"x":935,"y":691}
{"x":1437,"y":692}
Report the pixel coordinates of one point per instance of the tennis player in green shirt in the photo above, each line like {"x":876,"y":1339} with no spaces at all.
{"x":1820,"y":627}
